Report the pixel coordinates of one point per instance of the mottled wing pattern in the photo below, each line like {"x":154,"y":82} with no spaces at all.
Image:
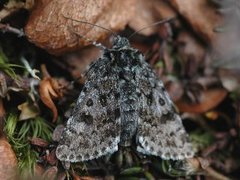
{"x":160,"y":130}
{"x":93,"y":130}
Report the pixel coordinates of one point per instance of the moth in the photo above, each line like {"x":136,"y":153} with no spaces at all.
{"x":122,"y":102}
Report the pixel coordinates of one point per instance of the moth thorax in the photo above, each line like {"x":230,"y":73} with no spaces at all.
{"x":120,"y":42}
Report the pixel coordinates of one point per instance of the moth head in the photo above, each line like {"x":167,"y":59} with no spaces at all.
{"x":120,"y":42}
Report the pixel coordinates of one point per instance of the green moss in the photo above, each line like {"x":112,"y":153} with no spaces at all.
{"x":18,"y":133}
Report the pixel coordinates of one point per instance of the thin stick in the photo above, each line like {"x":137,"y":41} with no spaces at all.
{"x":8,"y":28}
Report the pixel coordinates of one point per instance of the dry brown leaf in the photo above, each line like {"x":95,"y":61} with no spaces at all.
{"x":78,"y":61}
{"x":207,"y":101}
{"x":49,"y":28}
{"x":28,"y":111}
{"x":47,"y":92}
{"x":49,"y":89}
{"x":51,"y":158}
{"x":38,"y":142}
{"x":196,"y":164}
{"x":50,"y":173}
{"x":8,"y":161}
{"x":202,"y":17}
{"x":175,"y":90}
{"x":38,"y":170}
{"x":61,"y":176}
{"x":149,"y":12}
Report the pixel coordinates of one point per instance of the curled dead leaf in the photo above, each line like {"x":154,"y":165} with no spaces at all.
{"x":49,"y":89}
{"x":208,"y":100}
{"x":52,"y":24}
{"x":8,"y":161}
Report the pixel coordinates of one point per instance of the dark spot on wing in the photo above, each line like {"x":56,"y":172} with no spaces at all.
{"x":183,"y":138}
{"x":110,"y":143}
{"x":64,"y":156}
{"x":135,"y":62}
{"x":161,"y":101}
{"x":145,"y":143}
{"x":72,"y":130}
{"x":71,"y":156}
{"x":170,"y":143}
{"x":167,"y":154}
{"x":60,"y":148}
{"x":175,"y":155}
{"x":178,"y":129}
{"x":79,"y":157}
{"x":89,"y":102}
{"x":86,"y":156}
{"x":121,"y":75}
{"x":103,"y":100}
{"x":95,"y":153}
{"x":171,"y":134}
{"x":110,"y":132}
{"x":149,"y":99}
{"x":160,"y":143}
{"x":84,"y":89}
{"x":87,"y":118}
{"x":151,"y":149}
{"x":138,"y":94}
{"x":117,"y":95}
{"x":117,"y":113}
{"x":159,"y":153}
{"x":103,"y":149}
{"x":169,"y":116}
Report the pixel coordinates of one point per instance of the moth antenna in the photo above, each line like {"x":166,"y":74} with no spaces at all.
{"x":95,"y":25}
{"x":151,"y":25}
{"x":87,"y":39}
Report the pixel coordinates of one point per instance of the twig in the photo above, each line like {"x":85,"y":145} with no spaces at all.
{"x":216,"y":175}
{"x":8,"y":28}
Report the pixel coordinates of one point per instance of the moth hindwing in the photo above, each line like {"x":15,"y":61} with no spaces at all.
{"x":121,"y":99}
